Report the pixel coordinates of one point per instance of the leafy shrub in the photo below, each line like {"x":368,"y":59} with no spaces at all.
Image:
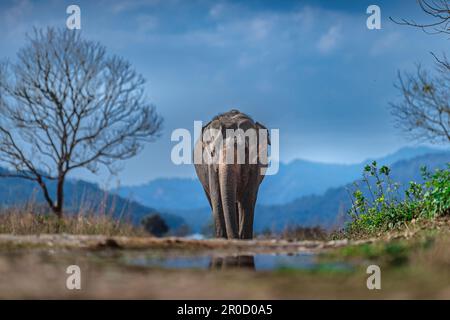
{"x":437,"y":196}
{"x":378,"y":205}
{"x":155,"y":225}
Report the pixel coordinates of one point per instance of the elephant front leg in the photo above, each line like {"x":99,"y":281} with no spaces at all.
{"x":246,"y":214}
{"x":219,"y":222}
{"x":216,"y":204}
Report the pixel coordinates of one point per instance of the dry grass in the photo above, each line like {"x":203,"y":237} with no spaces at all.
{"x":30,"y":220}
{"x":297,"y":233}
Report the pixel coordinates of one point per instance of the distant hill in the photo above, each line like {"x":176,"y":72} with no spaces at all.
{"x":295,"y":179}
{"x":80,"y":195}
{"x":315,"y":193}
{"x":167,"y":193}
{"x":327,"y":210}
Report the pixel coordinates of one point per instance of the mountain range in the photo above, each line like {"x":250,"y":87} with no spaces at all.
{"x":80,"y":196}
{"x":328,"y":210}
{"x":303,"y":192}
{"x":294,"y":179}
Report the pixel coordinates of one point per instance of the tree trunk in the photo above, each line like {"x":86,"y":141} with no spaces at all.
{"x":47,"y":196}
{"x":58,"y":208}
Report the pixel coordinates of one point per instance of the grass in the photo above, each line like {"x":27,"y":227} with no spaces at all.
{"x":427,"y":242}
{"x":378,"y":206}
{"x":25,"y":220}
{"x":297,"y":233}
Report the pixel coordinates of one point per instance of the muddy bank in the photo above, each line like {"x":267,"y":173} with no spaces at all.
{"x":148,"y":268}
{"x":134,"y":243}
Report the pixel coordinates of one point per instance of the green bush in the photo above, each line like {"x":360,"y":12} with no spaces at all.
{"x":377,"y":204}
{"x":155,"y":225}
{"x":437,"y":195}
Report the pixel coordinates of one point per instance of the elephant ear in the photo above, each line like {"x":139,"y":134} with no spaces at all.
{"x":212,"y":138}
{"x":206,"y":125}
{"x":203,"y":131}
{"x":260,"y":126}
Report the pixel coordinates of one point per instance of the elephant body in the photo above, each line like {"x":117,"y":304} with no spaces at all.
{"x":231,"y":188}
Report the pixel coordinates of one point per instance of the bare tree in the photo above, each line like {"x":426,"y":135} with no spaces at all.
{"x":438,"y":10}
{"x":65,"y":104}
{"x":424,"y":112}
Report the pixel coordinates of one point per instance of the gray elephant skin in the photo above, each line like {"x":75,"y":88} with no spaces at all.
{"x":232,"y":189}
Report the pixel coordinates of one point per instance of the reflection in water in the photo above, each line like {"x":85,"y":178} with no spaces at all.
{"x":258,"y":262}
{"x":232,"y":262}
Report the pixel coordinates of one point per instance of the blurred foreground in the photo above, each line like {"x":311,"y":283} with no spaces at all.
{"x":414,"y":264}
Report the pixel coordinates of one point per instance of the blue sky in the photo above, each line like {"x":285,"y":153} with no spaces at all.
{"x":309,"y":68}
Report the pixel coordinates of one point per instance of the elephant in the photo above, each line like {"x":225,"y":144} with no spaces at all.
{"x":232,"y":187}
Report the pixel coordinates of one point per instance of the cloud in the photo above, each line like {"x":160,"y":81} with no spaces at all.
{"x":146,"y":23}
{"x":260,"y":28}
{"x":240,"y":32}
{"x":386,"y":43}
{"x":329,"y":40}
{"x":216,"y":10}
{"x":118,"y":7}
{"x":14,"y":18}
{"x":305,"y":17}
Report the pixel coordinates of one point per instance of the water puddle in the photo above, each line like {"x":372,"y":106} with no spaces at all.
{"x":258,"y":262}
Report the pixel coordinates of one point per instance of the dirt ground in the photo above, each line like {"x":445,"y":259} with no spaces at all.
{"x":35,"y":267}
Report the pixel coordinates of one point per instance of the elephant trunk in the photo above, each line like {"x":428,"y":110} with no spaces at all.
{"x":227,"y":181}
